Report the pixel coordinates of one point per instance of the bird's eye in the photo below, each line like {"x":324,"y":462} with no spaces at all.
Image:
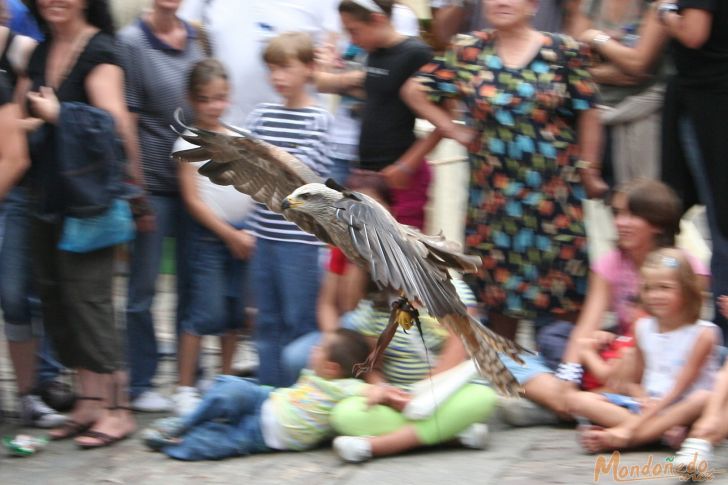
{"x":304,"y":196}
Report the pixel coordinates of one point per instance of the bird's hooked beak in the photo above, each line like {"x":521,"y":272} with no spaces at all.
{"x":290,"y":203}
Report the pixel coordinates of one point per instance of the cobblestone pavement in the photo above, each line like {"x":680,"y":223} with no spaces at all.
{"x":515,"y":456}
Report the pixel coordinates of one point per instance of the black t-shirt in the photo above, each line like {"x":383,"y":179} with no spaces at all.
{"x":100,"y":49}
{"x":387,"y":123}
{"x":706,"y":67}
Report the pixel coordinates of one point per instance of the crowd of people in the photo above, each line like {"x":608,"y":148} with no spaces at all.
{"x":555,"y":103}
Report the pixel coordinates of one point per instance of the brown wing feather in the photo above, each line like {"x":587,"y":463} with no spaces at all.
{"x":266,"y":173}
{"x":484,"y":346}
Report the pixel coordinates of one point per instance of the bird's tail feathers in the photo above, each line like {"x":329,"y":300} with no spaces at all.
{"x":484,"y":347}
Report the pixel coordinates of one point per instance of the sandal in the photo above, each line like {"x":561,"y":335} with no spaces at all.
{"x":103,"y":439}
{"x":72,"y":428}
{"x":69,"y":429}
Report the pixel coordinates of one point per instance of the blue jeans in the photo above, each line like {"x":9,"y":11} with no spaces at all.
{"x":226,"y":423}
{"x":285,"y":282}
{"x":216,"y":285}
{"x":719,"y":257}
{"x":146,"y":258}
{"x":20,"y":306}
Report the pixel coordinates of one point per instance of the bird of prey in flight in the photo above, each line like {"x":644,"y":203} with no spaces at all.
{"x":398,"y":257}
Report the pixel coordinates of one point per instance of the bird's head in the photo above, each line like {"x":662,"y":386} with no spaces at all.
{"x":312,"y":199}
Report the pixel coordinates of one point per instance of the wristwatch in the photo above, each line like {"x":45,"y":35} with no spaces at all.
{"x":664,"y":8}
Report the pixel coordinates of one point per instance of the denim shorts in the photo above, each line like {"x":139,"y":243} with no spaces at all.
{"x":216,"y":285}
{"x":534,"y":366}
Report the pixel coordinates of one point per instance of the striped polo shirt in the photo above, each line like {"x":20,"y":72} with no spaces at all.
{"x":156,"y":77}
{"x":302,"y":132}
{"x":407,"y":359}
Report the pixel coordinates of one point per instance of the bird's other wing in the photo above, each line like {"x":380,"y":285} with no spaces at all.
{"x":266,"y":173}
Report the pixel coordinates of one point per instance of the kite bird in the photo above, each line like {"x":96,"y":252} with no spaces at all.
{"x":398,"y":257}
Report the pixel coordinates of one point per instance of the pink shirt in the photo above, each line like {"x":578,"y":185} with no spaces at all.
{"x":623,"y":278}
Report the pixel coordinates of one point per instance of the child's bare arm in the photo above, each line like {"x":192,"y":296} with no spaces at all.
{"x":398,"y":174}
{"x":388,"y":396}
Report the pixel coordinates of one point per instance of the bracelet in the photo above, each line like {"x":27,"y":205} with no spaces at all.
{"x":600,"y":39}
{"x":587,"y":165}
{"x":664,"y":8}
{"x":570,"y":372}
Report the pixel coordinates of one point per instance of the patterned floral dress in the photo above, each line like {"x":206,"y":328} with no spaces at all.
{"x":525,"y":216}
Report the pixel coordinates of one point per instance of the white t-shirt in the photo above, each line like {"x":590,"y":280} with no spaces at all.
{"x":665,"y":354}
{"x":240,"y":30}
{"x":227,"y":203}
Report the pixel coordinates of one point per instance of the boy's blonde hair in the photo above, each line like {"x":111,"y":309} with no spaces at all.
{"x":676,"y":260}
{"x":287,"y":46}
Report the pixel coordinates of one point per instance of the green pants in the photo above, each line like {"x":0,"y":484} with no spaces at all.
{"x":472,"y":404}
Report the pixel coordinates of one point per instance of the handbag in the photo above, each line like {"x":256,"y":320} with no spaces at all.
{"x":85,"y":234}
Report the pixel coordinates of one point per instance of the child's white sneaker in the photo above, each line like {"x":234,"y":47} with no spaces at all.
{"x":353,"y":449}
{"x":186,"y":400}
{"x":476,"y":436}
{"x":693,"y":459}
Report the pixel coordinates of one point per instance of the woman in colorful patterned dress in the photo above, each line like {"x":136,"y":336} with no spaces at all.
{"x":533,"y":137}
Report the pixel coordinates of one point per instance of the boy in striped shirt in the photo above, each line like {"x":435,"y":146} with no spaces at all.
{"x":285,"y":266}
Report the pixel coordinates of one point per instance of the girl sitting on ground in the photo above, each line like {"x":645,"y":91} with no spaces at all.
{"x":675,"y":355}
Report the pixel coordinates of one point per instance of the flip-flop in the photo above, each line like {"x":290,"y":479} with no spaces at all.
{"x":103,"y":439}
{"x":70,"y":429}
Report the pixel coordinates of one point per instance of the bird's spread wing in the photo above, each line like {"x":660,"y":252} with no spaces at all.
{"x":266,"y":173}
{"x":403,"y":259}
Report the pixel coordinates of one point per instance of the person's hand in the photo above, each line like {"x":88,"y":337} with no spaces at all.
{"x":646,"y":403}
{"x":388,"y":395}
{"x":398,"y":399}
{"x":31,"y":124}
{"x":240,"y":243}
{"x":593,"y":183}
{"x":45,"y":104}
{"x":707,"y":427}
{"x":397,"y":175}
{"x":723,"y":305}
{"x":325,"y":57}
{"x":604,"y":338}
{"x":461,"y":134}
